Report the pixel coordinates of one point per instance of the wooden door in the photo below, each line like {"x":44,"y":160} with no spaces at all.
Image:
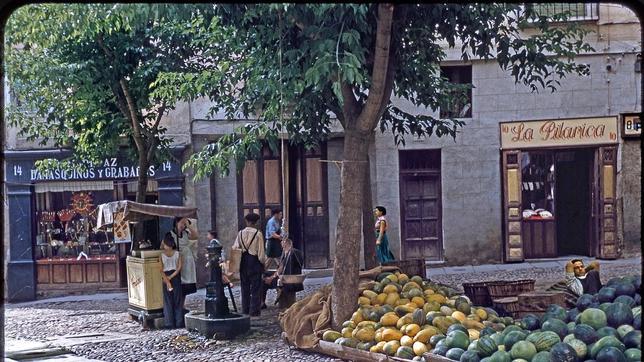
{"x":421,"y":216}
{"x":312,"y":211}
{"x":259,"y":187}
{"x":604,"y":213}
{"x":513,"y":243}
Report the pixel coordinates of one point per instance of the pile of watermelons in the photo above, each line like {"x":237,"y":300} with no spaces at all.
{"x":603,"y":327}
{"x":406,"y":317}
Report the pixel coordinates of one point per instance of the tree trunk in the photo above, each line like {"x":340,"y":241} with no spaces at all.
{"x":368,"y":237}
{"x":142,"y":181}
{"x":349,"y":231}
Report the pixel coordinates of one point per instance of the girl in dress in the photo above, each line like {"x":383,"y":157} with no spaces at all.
{"x":184,"y":237}
{"x":171,"y":273}
{"x":382,"y":242}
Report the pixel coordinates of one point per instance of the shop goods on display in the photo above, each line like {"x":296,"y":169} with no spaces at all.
{"x":407,"y":317}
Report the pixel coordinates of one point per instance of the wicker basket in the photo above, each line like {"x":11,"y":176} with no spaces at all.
{"x":410,"y":267}
{"x":506,"y":306}
{"x":509,"y":288}
{"x":478,"y":293}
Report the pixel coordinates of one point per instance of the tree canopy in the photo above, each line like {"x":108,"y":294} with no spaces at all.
{"x":81,"y":75}
{"x":295,"y":68}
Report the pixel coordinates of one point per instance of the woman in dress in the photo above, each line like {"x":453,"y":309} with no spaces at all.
{"x":382,"y":242}
{"x":187,"y":244}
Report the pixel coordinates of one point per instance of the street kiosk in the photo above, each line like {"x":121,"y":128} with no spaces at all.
{"x":144,"y":283}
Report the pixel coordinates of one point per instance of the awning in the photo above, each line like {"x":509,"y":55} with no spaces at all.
{"x":135,"y":211}
{"x":73,"y":186}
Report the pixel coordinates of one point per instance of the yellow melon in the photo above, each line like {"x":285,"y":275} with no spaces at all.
{"x":392,"y":299}
{"x":406,"y":341}
{"x":458,"y":316}
{"x":389,"y":319}
{"x":411,"y":329}
{"x":419,"y":301}
{"x":391,"y":334}
{"x":425,"y":334}
{"x":419,"y":348}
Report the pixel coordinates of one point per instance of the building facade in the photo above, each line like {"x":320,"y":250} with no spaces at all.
{"x":482,"y":198}
{"x":530,"y":175}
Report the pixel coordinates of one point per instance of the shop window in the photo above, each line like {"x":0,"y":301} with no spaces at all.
{"x":65,"y":224}
{"x":538,"y":185}
{"x":461,"y":105}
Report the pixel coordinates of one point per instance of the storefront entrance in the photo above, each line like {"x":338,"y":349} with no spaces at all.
{"x":572,"y":195}
{"x":559,"y":195}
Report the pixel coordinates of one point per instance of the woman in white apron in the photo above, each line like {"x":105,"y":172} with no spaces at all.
{"x":186,"y":240}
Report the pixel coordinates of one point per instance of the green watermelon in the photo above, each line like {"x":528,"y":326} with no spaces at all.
{"x":554,"y":311}
{"x":545,"y":340}
{"x":513,"y":337}
{"x":604,"y":306}
{"x":487,"y":331}
{"x":610,"y":354}
{"x":486,"y":346}
{"x":624,"y":288}
{"x":633,"y":339}
{"x":606,"y":294}
{"x":456,"y":327}
{"x":584,"y":301}
{"x":580,"y":348}
{"x":594,"y":317}
{"x":500,"y":356}
{"x":563,"y":352}
{"x":470,"y":356}
{"x":607,"y":331}
{"x":440,"y":350}
{"x":555,"y":325}
{"x":572,"y":314}
{"x":454,"y":353}
{"x":608,"y":341}
{"x":623,"y":330}
{"x":570,"y":327}
{"x":618,"y":314}
{"x":531,"y":322}
{"x":568,"y":337}
{"x":523,"y":349}
{"x":435,"y":339}
{"x":633,"y":355}
{"x":585,"y":333}
{"x":543,"y":356}
{"x":457,"y":339}
{"x":625,"y":299}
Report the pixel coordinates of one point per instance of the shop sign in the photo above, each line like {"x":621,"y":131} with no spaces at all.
{"x":108,"y":169}
{"x":559,"y":132}
{"x":631,"y":125}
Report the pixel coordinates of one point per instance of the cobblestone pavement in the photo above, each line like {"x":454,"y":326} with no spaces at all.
{"x":42,"y":320}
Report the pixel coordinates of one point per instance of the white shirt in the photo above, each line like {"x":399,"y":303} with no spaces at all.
{"x":170,"y":262}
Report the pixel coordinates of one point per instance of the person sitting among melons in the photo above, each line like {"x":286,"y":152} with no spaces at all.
{"x":578,"y":280}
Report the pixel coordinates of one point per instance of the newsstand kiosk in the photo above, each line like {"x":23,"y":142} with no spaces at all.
{"x":144,"y":283}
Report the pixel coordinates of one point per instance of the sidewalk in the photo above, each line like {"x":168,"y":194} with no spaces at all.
{"x":528,"y":264}
{"x":324,"y":276}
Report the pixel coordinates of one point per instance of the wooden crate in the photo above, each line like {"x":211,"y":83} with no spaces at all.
{"x":410,"y":267}
{"x":539,"y":301}
{"x":509,"y":288}
{"x":478,"y":293}
{"x":506,"y":306}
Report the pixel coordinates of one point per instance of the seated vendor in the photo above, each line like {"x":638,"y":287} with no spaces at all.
{"x":578,"y":280}
{"x":290,"y":263}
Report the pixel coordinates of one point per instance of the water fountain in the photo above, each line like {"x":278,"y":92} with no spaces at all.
{"x":216,"y":321}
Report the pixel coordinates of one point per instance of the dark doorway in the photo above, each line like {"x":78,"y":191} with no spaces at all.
{"x":420,"y":204}
{"x":309,"y":215}
{"x":573,"y":205}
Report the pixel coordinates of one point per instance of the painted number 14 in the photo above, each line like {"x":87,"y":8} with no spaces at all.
{"x":17,"y":170}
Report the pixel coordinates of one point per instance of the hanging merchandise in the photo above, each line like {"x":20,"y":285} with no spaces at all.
{"x":121,"y":228}
{"x":82,"y":203}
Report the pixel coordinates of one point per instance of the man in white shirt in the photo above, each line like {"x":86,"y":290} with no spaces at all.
{"x":583,"y":280}
{"x":251,"y":242}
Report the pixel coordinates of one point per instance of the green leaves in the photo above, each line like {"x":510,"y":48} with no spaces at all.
{"x":66,"y":62}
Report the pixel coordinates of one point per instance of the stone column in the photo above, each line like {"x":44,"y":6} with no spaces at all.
{"x":21,"y":268}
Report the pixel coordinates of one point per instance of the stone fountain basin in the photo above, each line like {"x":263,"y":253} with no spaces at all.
{"x":218,"y":328}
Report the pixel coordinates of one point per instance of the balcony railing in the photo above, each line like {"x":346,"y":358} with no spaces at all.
{"x":575,"y":11}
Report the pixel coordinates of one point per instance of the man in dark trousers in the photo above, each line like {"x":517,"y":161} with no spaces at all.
{"x":251,"y":243}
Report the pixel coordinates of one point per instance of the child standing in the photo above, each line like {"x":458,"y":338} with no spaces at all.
{"x":171,"y":273}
